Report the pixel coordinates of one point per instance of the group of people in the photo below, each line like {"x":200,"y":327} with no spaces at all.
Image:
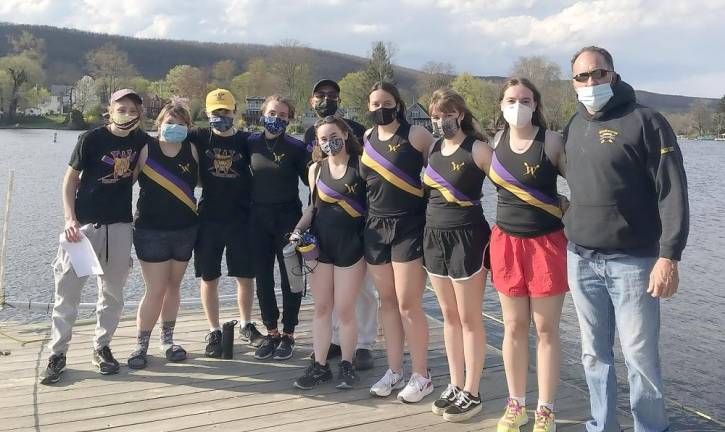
{"x":388,"y":205}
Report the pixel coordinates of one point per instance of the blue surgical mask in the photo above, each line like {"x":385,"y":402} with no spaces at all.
{"x":173,"y":133}
{"x":595,"y":97}
{"x":221,"y":123}
{"x":274,"y":125}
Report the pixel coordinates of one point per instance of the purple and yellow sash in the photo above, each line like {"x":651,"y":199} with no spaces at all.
{"x":436,"y":181}
{"x":329,"y":195}
{"x":377,"y":162}
{"x":172,"y":183}
{"x":499,"y":175}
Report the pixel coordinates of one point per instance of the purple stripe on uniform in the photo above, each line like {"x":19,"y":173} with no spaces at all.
{"x":108,"y":160}
{"x":504,"y":174}
{"x":171,"y":177}
{"x":433,"y":174}
{"x":377,"y":157}
{"x":338,"y":196}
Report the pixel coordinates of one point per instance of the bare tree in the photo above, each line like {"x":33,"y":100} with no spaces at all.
{"x":434,"y":75}
{"x":291,"y":63}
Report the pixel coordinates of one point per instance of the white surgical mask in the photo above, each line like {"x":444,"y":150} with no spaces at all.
{"x":595,"y":97}
{"x":518,"y":115}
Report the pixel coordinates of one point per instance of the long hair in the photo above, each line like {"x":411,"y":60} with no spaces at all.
{"x":537,"y":119}
{"x":280,"y":99}
{"x":448,"y":100}
{"x":352,"y":145}
{"x":393,"y":91}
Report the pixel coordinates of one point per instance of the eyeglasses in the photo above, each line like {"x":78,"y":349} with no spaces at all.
{"x":327,"y":95}
{"x":595,"y":74}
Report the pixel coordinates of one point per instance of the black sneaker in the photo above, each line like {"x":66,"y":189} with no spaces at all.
{"x":251,"y":335}
{"x":463,"y":408}
{"x":347,"y":376}
{"x":56,"y":366}
{"x":333,"y":352}
{"x":449,"y":395}
{"x":214,"y":345}
{"x":267,"y":347}
{"x":286,"y":348}
{"x":315,"y":374}
{"x":363,"y":359}
{"x":104,"y":361}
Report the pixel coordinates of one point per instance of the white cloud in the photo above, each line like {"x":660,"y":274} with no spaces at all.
{"x":368,"y":28}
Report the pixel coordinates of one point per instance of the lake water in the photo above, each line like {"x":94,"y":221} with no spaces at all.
{"x":693,"y":343}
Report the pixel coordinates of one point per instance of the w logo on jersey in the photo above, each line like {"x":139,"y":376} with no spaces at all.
{"x":392,"y":148}
{"x":457,"y":167}
{"x":351,"y":189}
{"x":530,"y":169}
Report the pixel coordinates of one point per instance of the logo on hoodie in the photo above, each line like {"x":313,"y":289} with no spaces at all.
{"x":607,"y":136}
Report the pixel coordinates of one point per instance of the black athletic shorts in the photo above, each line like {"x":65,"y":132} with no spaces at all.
{"x":213,"y":239}
{"x":457,"y":253}
{"x":339,"y":247}
{"x":157,"y":246}
{"x":388,"y":239}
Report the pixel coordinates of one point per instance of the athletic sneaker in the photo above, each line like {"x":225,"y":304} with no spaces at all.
{"x":363,"y":359}
{"x":286,"y":348}
{"x":251,"y":335}
{"x":56,"y":366}
{"x":347,"y":376}
{"x":544,"y":420}
{"x":417,"y":388}
{"x":332,"y":352}
{"x":214,"y":344}
{"x":513,"y":418}
{"x":464,"y":407}
{"x":267,"y":347}
{"x":104,"y":361}
{"x":389,"y":382}
{"x":315,"y":374}
{"x":446,"y":399}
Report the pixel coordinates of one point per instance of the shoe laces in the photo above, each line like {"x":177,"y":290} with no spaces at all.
{"x":345,"y":367}
{"x":389,"y":378}
{"x":418,"y":381}
{"x":450,"y":393}
{"x":213,"y":337}
{"x":53,"y":361}
{"x":105,"y":352}
{"x":543,"y":416}
{"x":463,"y":399}
{"x":513,"y":410}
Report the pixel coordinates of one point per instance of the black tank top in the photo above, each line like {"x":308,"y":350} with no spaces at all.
{"x":391,"y":170}
{"x":340,"y":202}
{"x":166,"y":200}
{"x":454,"y":186}
{"x":528,"y":203}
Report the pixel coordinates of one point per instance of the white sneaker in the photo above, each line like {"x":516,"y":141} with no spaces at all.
{"x":418,"y":387}
{"x":389,"y":382}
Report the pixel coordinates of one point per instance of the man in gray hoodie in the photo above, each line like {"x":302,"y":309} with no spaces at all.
{"x":627,"y":227}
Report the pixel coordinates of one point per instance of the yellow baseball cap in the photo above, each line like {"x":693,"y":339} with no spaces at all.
{"x":220,"y":99}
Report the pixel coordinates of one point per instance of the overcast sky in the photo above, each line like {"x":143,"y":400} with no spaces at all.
{"x":668,"y":46}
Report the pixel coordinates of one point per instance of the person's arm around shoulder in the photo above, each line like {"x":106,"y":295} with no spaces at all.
{"x":195,"y":155}
{"x":142,"y":156}
{"x":555,"y":152}
{"x":421,"y":140}
{"x":306,"y":220}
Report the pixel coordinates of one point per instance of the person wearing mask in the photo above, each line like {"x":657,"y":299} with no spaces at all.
{"x":393,"y":158}
{"x":97,"y":205}
{"x":528,"y":250}
{"x":627,"y":226}
{"x":165,"y":228}
{"x":325,"y":101}
{"x":278,"y":162}
{"x":335,"y":217}
{"x":225,"y":217}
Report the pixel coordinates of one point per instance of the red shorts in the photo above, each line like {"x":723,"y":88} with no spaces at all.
{"x":529,"y":267}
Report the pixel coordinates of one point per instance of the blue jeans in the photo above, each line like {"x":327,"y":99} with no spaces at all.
{"x":609,"y":292}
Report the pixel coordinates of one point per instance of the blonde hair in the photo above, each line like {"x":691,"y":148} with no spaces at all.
{"x":177,"y":108}
{"x":280,"y":99}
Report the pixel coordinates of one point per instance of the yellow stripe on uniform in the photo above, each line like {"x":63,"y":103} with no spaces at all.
{"x":345,"y":206}
{"x":445,"y":192}
{"x":169,"y":186}
{"x":389,"y":176}
{"x":525,"y":196}
{"x":667,"y":150}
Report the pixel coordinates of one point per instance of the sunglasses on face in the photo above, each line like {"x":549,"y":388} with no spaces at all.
{"x":594,"y":74}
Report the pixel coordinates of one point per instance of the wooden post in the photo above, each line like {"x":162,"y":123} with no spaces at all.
{"x":3,"y":245}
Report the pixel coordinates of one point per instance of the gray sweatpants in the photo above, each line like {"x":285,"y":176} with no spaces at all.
{"x":112,"y":244}
{"x":366,"y":311}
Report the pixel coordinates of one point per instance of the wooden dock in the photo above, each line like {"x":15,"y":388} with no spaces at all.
{"x":242,"y":394}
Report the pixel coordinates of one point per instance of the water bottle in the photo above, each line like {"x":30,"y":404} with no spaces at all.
{"x":228,"y":339}
{"x":293,"y":268}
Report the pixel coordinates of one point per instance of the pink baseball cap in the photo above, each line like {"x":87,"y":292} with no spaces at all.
{"x":120,"y":94}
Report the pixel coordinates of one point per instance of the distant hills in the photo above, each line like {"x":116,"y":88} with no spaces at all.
{"x":67,"y":48}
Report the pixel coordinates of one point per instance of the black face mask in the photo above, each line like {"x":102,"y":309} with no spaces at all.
{"x":326,"y":107}
{"x":383,"y":116}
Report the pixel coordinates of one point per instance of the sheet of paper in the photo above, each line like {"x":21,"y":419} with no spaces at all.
{"x":82,"y":256}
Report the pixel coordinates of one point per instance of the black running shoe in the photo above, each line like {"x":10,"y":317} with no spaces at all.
{"x":333,"y":352}
{"x":214,"y":345}
{"x":347,"y":376}
{"x":315,"y":374}
{"x":267,"y":347}
{"x":363,"y":359}
{"x":104,"y":361}
{"x":465,"y":406}
{"x":446,"y":399}
{"x":51,"y":374}
{"x":251,"y":335}
{"x":286,"y":348}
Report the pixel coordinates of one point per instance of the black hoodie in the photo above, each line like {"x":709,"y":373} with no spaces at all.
{"x":627,"y":179}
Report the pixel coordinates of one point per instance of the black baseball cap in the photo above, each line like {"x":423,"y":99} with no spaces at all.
{"x":326,"y":82}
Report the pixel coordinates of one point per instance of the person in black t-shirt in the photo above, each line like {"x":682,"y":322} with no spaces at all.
{"x":224,"y":213}
{"x":97,"y":205}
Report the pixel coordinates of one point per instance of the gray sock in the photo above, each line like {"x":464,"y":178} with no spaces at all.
{"x":167,"y":335}
{"x":142,"y":344}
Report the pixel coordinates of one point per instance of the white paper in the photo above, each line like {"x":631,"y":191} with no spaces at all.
{"x":82,"y":256}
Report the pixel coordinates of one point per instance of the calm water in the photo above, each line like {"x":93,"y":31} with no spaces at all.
{"x":693,"y":343}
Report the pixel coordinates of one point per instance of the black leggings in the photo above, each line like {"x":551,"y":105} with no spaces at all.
{"x":271,"y":224}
